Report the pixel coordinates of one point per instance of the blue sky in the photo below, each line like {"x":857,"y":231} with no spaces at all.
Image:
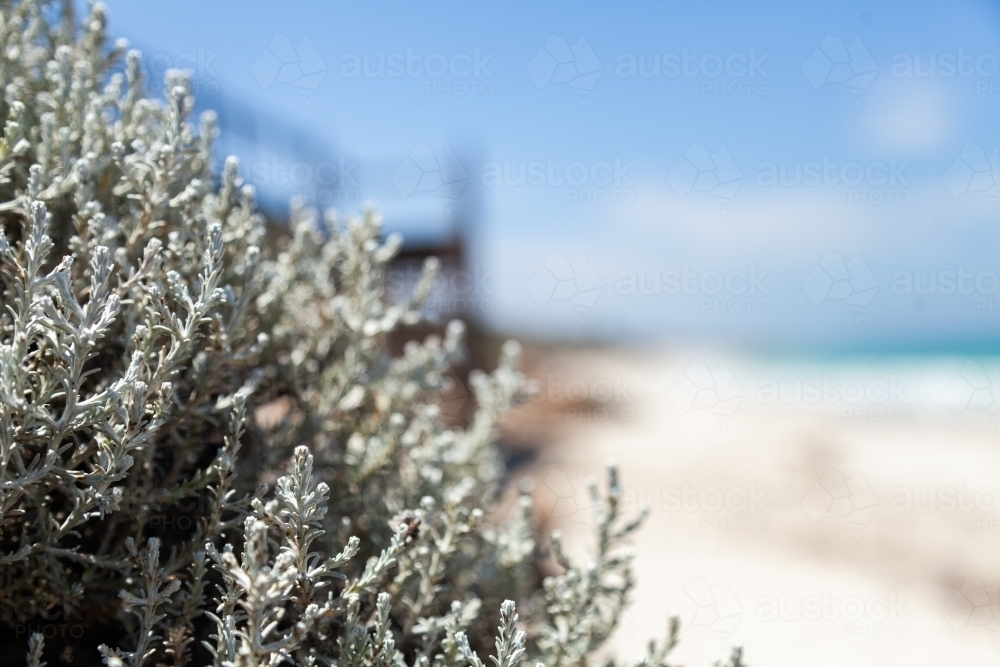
{"x":899,"y":100}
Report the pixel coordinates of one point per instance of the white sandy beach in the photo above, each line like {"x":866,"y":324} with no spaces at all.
{"x":855,"y":525}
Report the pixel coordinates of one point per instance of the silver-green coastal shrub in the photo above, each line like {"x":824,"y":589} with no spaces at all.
{"x":159,"y":361}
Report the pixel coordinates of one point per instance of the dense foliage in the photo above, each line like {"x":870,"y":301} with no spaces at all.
{"x":159,"y":360}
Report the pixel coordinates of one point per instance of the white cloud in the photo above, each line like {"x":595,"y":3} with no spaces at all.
{"x":911,"y":114}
